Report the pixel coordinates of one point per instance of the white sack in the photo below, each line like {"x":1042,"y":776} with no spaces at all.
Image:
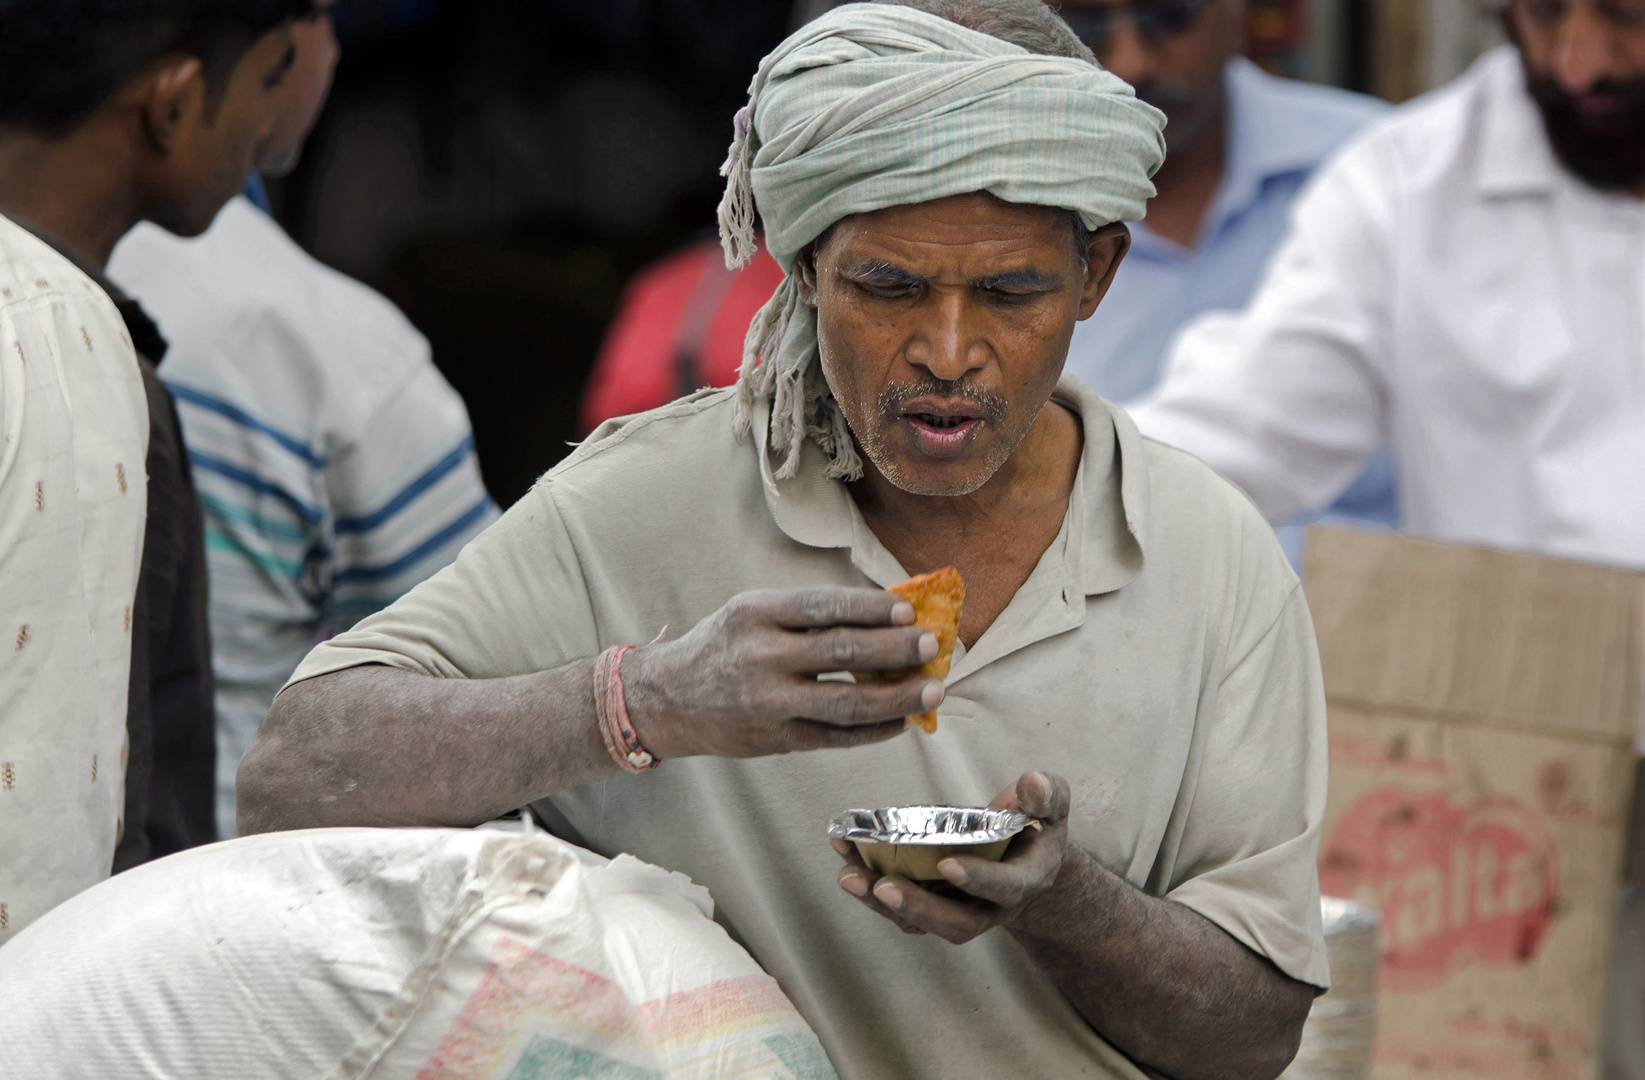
{"x":393,"y":953}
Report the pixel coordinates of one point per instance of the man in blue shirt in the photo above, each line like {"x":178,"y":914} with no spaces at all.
{"x":1240,"y":144}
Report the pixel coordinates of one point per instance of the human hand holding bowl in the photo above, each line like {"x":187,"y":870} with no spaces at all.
{"x":985,"y":894}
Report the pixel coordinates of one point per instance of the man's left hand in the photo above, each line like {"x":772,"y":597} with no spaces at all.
{"x":992,"y":893}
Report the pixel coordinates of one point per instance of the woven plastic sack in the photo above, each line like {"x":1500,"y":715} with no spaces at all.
{"x":389,"y":954}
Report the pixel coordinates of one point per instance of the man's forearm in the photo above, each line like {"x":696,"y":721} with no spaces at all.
{"x":1160,"y":981}
{"x":381,"y":746}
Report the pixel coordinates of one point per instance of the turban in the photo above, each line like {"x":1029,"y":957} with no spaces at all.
{"x":876,"y":105}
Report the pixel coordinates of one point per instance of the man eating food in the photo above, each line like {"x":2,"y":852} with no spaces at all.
{"x":945,"y":182}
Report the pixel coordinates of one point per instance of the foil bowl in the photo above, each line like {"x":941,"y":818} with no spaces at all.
{"x":910,"y":841}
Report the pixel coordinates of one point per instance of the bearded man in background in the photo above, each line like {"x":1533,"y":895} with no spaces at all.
{"x":1464,"y":283}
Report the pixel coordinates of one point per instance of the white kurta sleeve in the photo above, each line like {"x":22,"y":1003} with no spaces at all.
{"x":1288,"y":398}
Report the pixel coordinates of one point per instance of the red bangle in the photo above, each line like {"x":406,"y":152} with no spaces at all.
{"x":612,"y":710}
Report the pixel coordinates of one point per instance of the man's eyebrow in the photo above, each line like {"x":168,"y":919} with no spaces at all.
{"x":287,"y":62}
{"x":1026,"y":278}
{"x":880,"y":270}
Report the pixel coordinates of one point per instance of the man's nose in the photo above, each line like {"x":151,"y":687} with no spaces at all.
{"x":946,"y":345}
{"x":1128,"y":55}
{"x":1585,"y":48}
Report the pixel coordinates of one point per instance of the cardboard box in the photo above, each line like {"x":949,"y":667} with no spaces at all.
{"x":1483,"y":708}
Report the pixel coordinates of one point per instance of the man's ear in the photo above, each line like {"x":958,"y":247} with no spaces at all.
{"x":175,"y":90}
{"x":1103,"y":254}
{"x":805,"y":275}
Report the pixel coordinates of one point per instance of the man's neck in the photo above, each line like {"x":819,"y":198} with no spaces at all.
{"x":1188,"y":180}
{"x":996,"y":534}
{"x":78,"y":188}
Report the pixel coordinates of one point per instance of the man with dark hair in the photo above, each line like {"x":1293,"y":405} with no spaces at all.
{"x":1240,"y":145}
{"x":336,"y":466}
{"x":111,"y":113}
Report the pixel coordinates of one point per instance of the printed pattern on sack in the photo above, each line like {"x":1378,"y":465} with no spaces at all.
{"x":1455,"y":884}
{"x":537,"y":1017}
{"x":548,"y":1058}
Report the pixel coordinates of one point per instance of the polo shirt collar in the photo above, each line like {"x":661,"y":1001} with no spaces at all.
{"x":1264,"y":139}
{"x":1100,"y":549}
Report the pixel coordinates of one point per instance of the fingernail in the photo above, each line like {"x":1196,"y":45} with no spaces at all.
{"x":952,"y":870}
{"x":840,"y":845}
{"x":928,"y":646}
{"x":932,"y":695}
{"x":889,"y":895}
{"x":902,"y":613}
{"x":854,"y":884}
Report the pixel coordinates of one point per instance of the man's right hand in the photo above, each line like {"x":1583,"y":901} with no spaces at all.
{"x":743,"y":683}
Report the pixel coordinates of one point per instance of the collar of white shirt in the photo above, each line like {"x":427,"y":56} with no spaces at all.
{"x":1515,"y":157}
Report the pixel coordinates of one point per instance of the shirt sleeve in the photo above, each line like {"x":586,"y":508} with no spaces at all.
{"x":407,"y":495}
{"x":468,"y":621}
{"x":1288,"y":398}
{"x":1247,"y":845}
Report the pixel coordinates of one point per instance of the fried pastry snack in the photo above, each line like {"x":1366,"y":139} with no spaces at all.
{"x":937,"y":598}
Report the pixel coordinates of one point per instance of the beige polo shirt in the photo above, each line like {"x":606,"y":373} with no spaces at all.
{"x":1160,"y":657}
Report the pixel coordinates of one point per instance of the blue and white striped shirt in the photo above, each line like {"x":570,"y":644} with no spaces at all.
{"x":335,"y":465}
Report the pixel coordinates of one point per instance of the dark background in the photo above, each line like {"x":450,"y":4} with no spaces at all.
{"x":499,"y":168}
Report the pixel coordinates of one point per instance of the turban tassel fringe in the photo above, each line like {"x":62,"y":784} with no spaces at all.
{"x":736,"y":210}
{"x":802,"y":406}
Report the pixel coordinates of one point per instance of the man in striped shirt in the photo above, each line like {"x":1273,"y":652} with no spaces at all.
{"x":335,"y":465}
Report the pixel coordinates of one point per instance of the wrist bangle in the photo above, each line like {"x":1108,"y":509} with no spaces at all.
{"x":612,"y":710}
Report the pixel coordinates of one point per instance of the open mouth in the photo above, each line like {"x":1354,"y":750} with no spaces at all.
{"x":942,"y":432}
{"x":941,"y":423}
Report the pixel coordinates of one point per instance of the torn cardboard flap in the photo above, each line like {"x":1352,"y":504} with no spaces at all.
{"x":1509,"y":640}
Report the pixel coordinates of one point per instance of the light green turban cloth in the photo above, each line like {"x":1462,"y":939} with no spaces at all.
{"x":875,"y":105}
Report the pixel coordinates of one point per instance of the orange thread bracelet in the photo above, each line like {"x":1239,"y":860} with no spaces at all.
{"x":612,"y":710}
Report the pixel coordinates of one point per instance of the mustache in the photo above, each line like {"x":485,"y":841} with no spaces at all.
{"x":1606,"y":151}
{"x":1626,"y":118}
{"x":895,"y":396}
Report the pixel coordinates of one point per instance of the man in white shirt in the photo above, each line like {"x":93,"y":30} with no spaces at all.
{"x":336,"y":466}
{"x":1466,"y":281}
{"x":109,"y":112}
